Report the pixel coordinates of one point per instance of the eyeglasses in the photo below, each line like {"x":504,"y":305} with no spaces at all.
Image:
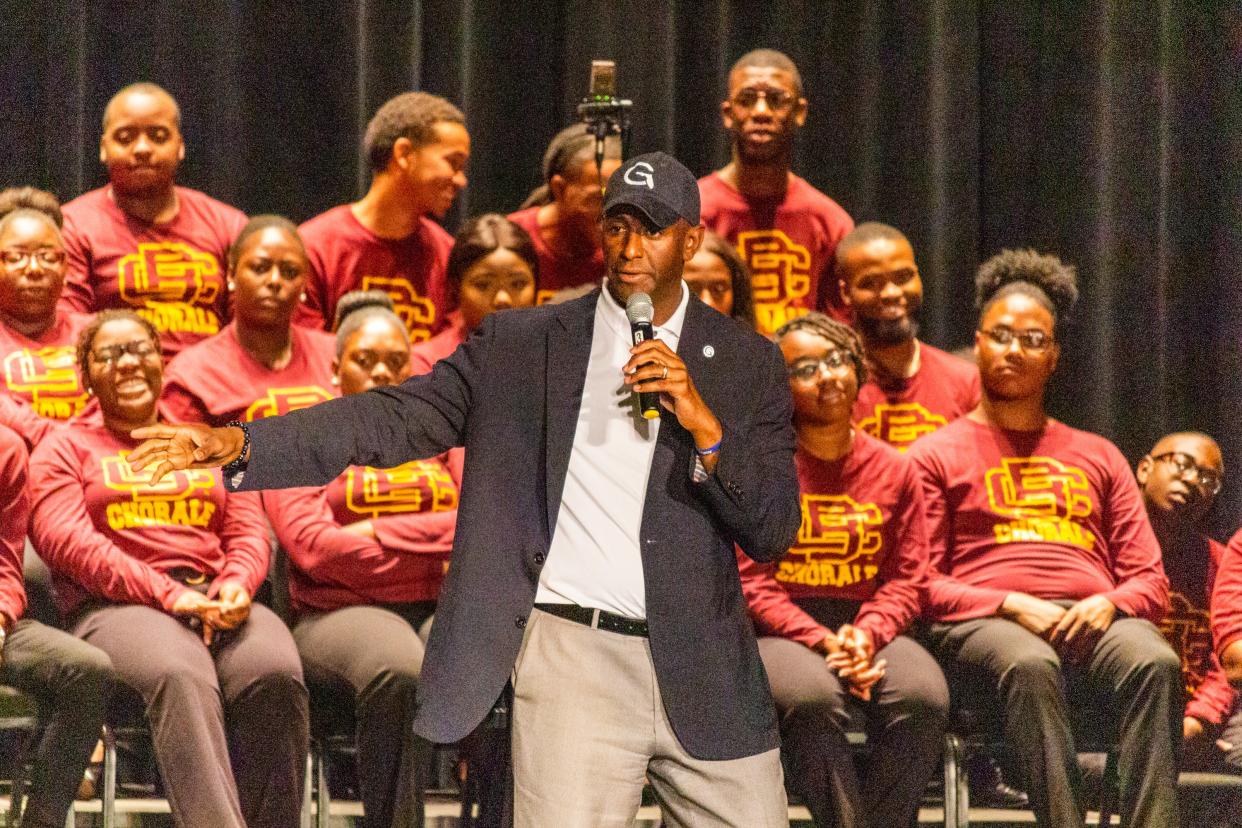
{"x":110,"y":355}
{"x":777,"y":99}
{"x":1209,"y":480}
{"x":806,"y":370}
{"x":14,"y":258}
{"x":1032,"y":339}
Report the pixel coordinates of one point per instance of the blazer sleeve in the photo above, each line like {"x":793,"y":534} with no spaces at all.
{"x":753,"y":491}
{"x":384,"y":427}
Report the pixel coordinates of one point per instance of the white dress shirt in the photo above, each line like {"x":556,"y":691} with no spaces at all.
{"x":594,"y":560}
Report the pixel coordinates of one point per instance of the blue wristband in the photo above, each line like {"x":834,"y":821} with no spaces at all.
{"x":712,"y":449}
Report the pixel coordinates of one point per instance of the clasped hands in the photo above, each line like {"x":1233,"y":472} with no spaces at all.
{"x":229,"y":609}
{"x":849,"y":653}
{"x":1072,"y":632}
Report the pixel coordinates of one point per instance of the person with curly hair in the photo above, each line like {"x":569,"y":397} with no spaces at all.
{"x":1046,"y":577}
{"x":417,"y":146}
{"x":835,"y":612}
{"x":161,"y":578}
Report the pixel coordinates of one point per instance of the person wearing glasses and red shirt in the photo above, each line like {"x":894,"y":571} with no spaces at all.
{"x":835,"y":612}
{"x":1046,"y":581}
{"x":784,"y":229}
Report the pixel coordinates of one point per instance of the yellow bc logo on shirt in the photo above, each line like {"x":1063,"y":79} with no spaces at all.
{"x":780,"y":273}
{"x":172,"y":285}
{"x":171,"y":502}
{"x":1044,"y":499}
{"x":49,"y":378}
{"x":901,"y":424}
{"x":283,"y":400}
{"x":417,"y":312}
{"x":1189,"y":631}
{"x":837,"y":542}
{"x":418,"y":486}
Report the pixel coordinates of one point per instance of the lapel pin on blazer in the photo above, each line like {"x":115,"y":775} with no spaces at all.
{"x":709,"y":351}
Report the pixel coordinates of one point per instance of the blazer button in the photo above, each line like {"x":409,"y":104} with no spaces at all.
{"x":520,"y":623}
{"x":540,"y":557}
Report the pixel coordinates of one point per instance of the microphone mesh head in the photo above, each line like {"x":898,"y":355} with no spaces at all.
{"x":638,"y":308}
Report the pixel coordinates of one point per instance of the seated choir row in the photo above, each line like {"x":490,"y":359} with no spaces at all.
{"x":953,"y":535}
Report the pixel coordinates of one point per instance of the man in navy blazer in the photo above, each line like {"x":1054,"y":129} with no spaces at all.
{"x":593,"y":561}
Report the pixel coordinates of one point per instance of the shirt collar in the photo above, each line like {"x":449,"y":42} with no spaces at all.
{"x":614,"y":316}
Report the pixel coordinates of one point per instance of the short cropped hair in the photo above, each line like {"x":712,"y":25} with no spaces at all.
{"x":147,"y":88}
{"x":769,"y":59}
{"x":410,"y":115}
{"x":866,"y":233}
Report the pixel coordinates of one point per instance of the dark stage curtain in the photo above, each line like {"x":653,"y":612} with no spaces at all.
{"x":1109,"y":132}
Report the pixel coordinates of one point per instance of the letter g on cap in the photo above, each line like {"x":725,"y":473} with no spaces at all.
{"x":641,"y":174}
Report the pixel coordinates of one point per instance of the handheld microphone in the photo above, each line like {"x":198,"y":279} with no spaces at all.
{"x":638,"y":309}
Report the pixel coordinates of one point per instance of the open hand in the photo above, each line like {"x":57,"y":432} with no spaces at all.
{"x":192,"y":446}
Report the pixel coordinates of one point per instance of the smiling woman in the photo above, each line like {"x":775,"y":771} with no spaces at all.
{"x":261,"y":363}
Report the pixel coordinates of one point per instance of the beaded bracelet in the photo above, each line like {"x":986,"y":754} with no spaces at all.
{"x":240,"y":463}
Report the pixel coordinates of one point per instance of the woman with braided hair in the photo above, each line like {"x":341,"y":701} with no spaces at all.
{"x":1045,"y":574}
{"x":836,"y":610}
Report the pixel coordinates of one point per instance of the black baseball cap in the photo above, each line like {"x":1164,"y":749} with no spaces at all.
{"x":657,"y":186}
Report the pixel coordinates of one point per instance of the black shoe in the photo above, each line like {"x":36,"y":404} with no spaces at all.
{"x":988,"y":788}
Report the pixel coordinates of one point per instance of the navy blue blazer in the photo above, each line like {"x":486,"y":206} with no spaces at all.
{"x":511,"y":396}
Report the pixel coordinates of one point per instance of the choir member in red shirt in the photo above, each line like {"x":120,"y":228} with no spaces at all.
{"x":1226,"y":615}
{"x":785,"y":229}
{"x":37,"y":339}
{"x":367,"y":555}
{"x":417,"y":146}
{"x":70,"y":679}
{"x":836,"y":609}
{"x":562,"y":215}
{"x":141,"y":242}
{"x":1045,"y":578}
{"x":494,"y":266}
{"x":160,"y":578}
{"x":261,"y":364}
{"x":913,"y":388}
{"x":719,"y":277}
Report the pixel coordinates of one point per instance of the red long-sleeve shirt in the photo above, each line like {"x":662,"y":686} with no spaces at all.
{"x":899,"y":411}
{"x":412,"y":510}
{"x":426,"y":354}
{"x":1054,"y":513}
{"x":862,"y":539}
{"x":20,"y":418}
{"x":1226,"y":599}
{"x":14,"y":517}
{"x":104,"y":531}
{"x":173,"y":273}
{"x":217,"y":381}
{"x":1191,"y":569}
{"x":346,"y":256}
{"x":788,"y":243}
{"x":558,"y":272}
{"x":43,"y":372}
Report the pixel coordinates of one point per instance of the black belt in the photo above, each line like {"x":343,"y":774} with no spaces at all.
{"x":597,"y":618}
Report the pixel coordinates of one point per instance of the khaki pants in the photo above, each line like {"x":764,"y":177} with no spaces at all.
{"x":589,"y":729}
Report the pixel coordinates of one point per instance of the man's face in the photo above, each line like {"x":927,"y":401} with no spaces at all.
{"x":639,"y":259}
{"x":1016,"y":370}
{"x":141,"y":145}
{"x":763,"y":112}
{"x":1171,"y":486}
{"x":578,"y":195}
{"x":880,"y":281}
{"x":436,"y":172}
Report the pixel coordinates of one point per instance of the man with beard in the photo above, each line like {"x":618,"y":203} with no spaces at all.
{"x":785,"y":229}
{"x":1180,"y":478}
{"x":913,"y":388}
{"x":141,"y":242}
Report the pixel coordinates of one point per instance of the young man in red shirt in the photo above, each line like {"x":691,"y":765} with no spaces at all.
{"x":784,"y":228}
{"x":1046,"y":580}
{"x":562,"y":216}
{"x":912,"y":388}
{"x":141,"y":242}
{"x":418,"y":147}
